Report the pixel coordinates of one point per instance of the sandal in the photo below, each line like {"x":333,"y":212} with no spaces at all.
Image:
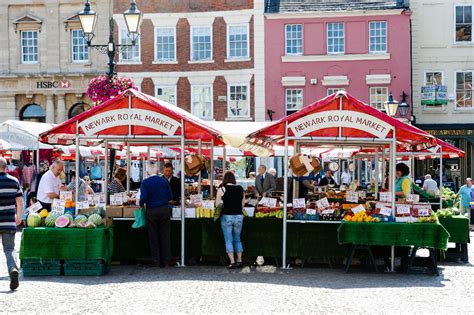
{"x":239,"y":264}
{"x":231,"y":266}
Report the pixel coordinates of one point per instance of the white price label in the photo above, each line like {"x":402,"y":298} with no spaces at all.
{"x":386,"y":211}
{"x":311,"y":211}
{"x":322,"y":203}
{"x":423,"y":212}
{"x":413,"y":198}
{"x":362,"y":195}
{"x":124,"y":197}
{"x":82,"y":205}
{"x":58,"y":206}
{"x":90,"y":199}
{"x":65,"y":195}
{"x":299,"y":203}
{"x":208,"y":204}
{"x":358,"y":209}
{"x":403,"y":209}
{"x":196,"y":199}
{"x":352,"y":196}
{"x":116,"y":199}
{"x":34,"y":208}
{"x":385,"y":196}
{"x":329,"y":211}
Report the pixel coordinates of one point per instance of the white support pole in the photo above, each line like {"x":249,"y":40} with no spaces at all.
{"x":376,"y":174}
{"x":128,"y":167}
{"x":383,"y":168}
{"x":37,"y":160}
{"x":78,"y":160}
{"x":211,"y":173}
{"x":285,"y":197}
{"x":393,"y":152}
{"x":441,"y":178}
{"x":199,"y":177}
{"x":183,"y":197}
{"x":106,"y":166}
{"x":224,"y":160}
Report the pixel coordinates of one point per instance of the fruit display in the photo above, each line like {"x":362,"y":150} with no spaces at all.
{"x":361,"y":216}
{"x":448,"y":212}
{"x":62,"y":221}
{"x":51,"y":220}
{"x":448,"y":194}
{"x":95,"y":219}
{"x":43,"y":213}
{"x":264,"y":212}
{"x":33,"y":220}
{"x":65,"y":220}
{"x":80,"y":218}
{"x":431,"y":219}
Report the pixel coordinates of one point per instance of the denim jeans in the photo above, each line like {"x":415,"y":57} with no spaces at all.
{"x":231,"y":227}
{"x":8,"y":240}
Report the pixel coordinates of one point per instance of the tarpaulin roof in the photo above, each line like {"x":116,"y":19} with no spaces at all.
{"x":19,"y":135}
{"x":341,"y":111}
{"x":146,"y":115}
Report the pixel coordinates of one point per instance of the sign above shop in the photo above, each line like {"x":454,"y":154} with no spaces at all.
{"x":64,"y":84}
{"x":126,"y":117}
{"x":337,"y":118}
{"x":434,"y":95}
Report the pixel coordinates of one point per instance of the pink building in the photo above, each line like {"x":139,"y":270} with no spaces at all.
{"x":314,"y":49}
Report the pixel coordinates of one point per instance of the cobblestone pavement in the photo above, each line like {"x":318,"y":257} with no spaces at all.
{"x":213,"y":289}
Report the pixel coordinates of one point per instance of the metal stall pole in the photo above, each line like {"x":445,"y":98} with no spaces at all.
{"x":200,"y":154}
{"x":128,"y":167}
{"x":392,"y":189}
{"x":145,"y":165}
{"x":106,"y":171}
{"x":224,"y":160}
{"x":183,"y":197}
{"x":441,"y":178}
{"x":376,"y":174}
{"x":211,"y":174}
{"x":285,"y":197}
{"x":37,"y":159}
{"x":383,"y":168}
{"x":78,"y":159}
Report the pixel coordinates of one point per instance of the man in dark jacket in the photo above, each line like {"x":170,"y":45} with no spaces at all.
{"x":173,"y":181}
{"x":155,"y":194}
{"x":264,"y":183}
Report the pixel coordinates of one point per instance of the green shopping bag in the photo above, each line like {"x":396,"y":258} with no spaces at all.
{"x":140,"y":218}
{"x":218,"y":211}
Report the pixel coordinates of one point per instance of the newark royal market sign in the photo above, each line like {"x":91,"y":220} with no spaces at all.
{"x":132,"y":117}
{"x":337,"y":118}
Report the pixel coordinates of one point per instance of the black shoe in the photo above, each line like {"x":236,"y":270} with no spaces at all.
{"x":231,"y":266}
{"x":14,"y":283}
{"x":239,"y":264}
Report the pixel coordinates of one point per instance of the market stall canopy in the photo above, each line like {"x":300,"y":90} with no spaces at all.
{"x":130,"y":115}
{"x":449,"y":152}
{"x":339,"y":116}
{"x":234,"y":133}
{"x":18,"y":135}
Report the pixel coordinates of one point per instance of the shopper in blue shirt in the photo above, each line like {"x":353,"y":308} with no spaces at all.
{"x":465,"y":194}
{"x":155,"y":195}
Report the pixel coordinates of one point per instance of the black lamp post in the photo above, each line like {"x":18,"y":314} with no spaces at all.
{"x":403,"y":107}
{"x":133,"y":18}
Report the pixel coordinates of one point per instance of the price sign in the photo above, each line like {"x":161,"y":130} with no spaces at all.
{"x":362,"y":195}
{"x":271,"y":202}
{"x":90,"y":199}
{"x":322,"y":203}
{"x":329,"y":211}
{"x":116,"y":199}
{"x":299,"y":203}
{"x":311,"y":211}
{"x":65,"y":195}
{"x":386,"y":211}
{"x":423,"y":212}
{"x":82,"y":205}
{"x":413,"y":198}
{"x":196,"y":199}
{"x":386,"y":196}
{"x":403,"y":209}
{"x":34,"y":208}
{"x":58,"y":206}
{"x":208,"y":204}
{"x":358,"y":209}
{"x":352,"y":196}
{"x":124,"y":197}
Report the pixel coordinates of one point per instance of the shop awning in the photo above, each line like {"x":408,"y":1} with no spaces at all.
{"x":18,"y":135}
{"x":146,"y":116}
{"x":339,"y":116}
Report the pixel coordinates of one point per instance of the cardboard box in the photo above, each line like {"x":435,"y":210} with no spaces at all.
{"x":298,"y":168}
{"x":114,"y":211}
{"x":87,"y":211}
{"x":108,"y":221}
{"x":129,"y":212}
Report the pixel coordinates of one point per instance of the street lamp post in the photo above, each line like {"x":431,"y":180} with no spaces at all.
{"x":133,"y":19}
{"x":391,"y":106}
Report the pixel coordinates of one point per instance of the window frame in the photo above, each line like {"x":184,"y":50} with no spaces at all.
{"x":22,"y":61}
{"x":166,"y":86}
{"x":155,"y":42}
{"x":137,"y":44}
{"x":433,"y":71}
{"x":343,"y":39}
{"x":370,"y":97}
{"x":302,"y":40}
{"x":72,"y":47}
{"x":455,"y":23}
{"x":456,"y":108}
{"x":335,"y":90}
{"x":386,"y":38}
{"x":247,"y":85}
{"x":228,"y":41}
{"x":212,"y":99}
{"x":191,"y":50}
{"x":286,"y":100}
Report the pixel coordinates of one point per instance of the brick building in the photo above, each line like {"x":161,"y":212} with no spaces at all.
{"x":209,"y":64}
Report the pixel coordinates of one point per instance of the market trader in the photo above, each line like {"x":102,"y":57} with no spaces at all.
{"x":465,"y":194}
{"x":264,"y":182}
{"x":155,"y":194}
{"x":403,"y":182}
{"x":173,"y":181}
{"x":50,"y":185}
{"x":430,"y":186}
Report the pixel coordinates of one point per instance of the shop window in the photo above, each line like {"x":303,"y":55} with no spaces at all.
{"x":201,"y":101}
{"x":239,"y":102}
{"x":335,"y":38}
{"x":433,"y":78}
{"x":464,"y":90}
{"x":294,"y":39}
{"x":293,"y":100}
{"x":378,"y":96}
{"x":334,"y":90}
{"x":132,"y":53}
{"x":165,"y":43}
{"x":166,"y":93}
{"x":77,"y":109}
{"x":463,"y":23}
{"x":79,"y":49}
{"x":201,"y":43}
{"x":378,"y":37}
{"x":238,"y":41}
{"x":33,"y":112}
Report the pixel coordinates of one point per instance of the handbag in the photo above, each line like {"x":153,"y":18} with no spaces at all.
{"x":140,"y":218}
{"x":96,"y":172}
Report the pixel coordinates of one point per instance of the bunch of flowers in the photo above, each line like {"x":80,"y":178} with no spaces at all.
{"x":103,"y":88}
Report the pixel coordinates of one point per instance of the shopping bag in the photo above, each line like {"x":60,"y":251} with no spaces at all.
{"x":218,"y":211}
{"x":140,"y":218}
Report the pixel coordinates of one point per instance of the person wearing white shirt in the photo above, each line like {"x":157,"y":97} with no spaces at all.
{"x":345,"y":178}
{"x":50,"y":185}
{"x":430,"y":186}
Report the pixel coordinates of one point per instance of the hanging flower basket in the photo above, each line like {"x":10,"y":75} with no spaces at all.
{"x":103,"y":88}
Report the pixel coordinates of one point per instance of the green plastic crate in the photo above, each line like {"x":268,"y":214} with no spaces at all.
{"x":85,"y":267}
{"x":36,"y":268}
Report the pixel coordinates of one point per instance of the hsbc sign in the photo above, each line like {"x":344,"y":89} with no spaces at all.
{"x":53,"y":84}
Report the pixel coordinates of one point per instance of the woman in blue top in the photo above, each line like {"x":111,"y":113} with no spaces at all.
{"x":403,"y":183}
{"x":465,"y":194}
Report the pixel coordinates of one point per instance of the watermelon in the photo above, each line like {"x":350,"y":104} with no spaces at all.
{"x":69,"y":216}
{"x":89,"y":225}
{"x":80,"y":218}
{"x":96,"y":219}
{"x":33,"y":220}
{"x":62,"y":221}
{"x":51,"y":220}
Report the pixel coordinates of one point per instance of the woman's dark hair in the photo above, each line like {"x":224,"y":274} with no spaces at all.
{"x":403,"y":168}
{"x":229,"y":178}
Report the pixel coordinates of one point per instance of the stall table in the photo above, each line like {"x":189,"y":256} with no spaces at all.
{"x":458,"y":229}
{"x":419,"y":235}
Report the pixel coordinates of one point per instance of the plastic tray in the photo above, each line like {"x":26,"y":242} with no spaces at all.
{"x":36,"y":268}
{"x":85,"y":268}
